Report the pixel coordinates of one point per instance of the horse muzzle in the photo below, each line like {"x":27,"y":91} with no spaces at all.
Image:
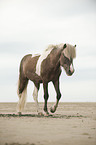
{"x":69,"y":73}
{"x":71,"y":70}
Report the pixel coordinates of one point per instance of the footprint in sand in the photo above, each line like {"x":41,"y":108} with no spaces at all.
{"x":18,"y":144}
{"x":85,"y":134}
{"x":74,"y":126}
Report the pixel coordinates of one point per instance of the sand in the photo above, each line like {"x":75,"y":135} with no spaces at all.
{"x":73,"y":123}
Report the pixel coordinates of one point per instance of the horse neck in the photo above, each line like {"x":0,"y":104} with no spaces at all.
{"x":56,"y":59}
{"x":57,"y":66}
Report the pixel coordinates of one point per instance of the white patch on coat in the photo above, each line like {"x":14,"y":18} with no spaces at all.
{"x":41,"y":58}
{"x":34,"y":55}
{"x":35,"y":96}
{"x":71,"y":68}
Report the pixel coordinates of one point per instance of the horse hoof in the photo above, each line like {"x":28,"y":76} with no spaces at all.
{"x":41,"y":114}
{"x":52,"y":110}
{"x":19,"y":113}
{"x":45,"y":113}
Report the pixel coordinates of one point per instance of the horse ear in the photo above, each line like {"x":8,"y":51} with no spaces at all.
{"x":75,"y":45}
{"x":64,"y":46}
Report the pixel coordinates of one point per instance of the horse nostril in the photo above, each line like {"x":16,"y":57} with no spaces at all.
{"x":71,"y":72}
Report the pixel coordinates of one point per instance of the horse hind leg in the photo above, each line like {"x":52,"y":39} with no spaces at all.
{"x":35,"y":96}
{"x":22,"y":93}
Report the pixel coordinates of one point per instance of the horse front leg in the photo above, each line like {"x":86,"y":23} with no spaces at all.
{"x":56,"y":86}
{"x":46,"y":96}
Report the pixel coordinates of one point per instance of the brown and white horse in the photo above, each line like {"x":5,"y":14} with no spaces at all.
{"x":43,"y":69}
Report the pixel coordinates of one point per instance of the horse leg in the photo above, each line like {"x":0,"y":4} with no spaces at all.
{"x":46,"y":95}
{"x":35,"y":95}
{"x":56,"y":85}
{"x":22,"y":93}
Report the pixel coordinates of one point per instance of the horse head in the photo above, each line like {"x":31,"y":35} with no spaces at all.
{"x":66,"y":58}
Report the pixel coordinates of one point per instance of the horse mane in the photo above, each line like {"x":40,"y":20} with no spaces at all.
{"x":50,"y":47}
{"x":70,"y":51}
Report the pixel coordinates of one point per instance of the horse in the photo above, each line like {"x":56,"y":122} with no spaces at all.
{"x":43,"y":68}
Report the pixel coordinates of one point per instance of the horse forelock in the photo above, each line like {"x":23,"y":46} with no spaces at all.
{"x":70,"y":51}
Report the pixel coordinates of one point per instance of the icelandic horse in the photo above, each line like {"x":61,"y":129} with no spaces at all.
{"x":43,"y":68}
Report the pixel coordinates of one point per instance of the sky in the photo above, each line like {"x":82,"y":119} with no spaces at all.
{"x":28,"y":26}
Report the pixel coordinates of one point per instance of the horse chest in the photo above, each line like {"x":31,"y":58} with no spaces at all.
{"x":50,"y":73}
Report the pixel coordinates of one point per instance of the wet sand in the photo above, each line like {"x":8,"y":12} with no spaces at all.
{"x":73,"y":123}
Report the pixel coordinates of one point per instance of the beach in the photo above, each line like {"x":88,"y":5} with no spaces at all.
{"x":72,"y":123}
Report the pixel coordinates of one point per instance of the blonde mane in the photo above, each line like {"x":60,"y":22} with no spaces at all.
{"x":50,"y":47}
{"x":69,"y":51}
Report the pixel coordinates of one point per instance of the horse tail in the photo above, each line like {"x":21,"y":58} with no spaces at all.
{"x":22,"y":90}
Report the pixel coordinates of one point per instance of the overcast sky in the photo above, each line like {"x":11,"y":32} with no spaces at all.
{"x":28,"y":26}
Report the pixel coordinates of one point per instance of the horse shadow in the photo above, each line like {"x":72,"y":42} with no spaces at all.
{"x":43,"y":116}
